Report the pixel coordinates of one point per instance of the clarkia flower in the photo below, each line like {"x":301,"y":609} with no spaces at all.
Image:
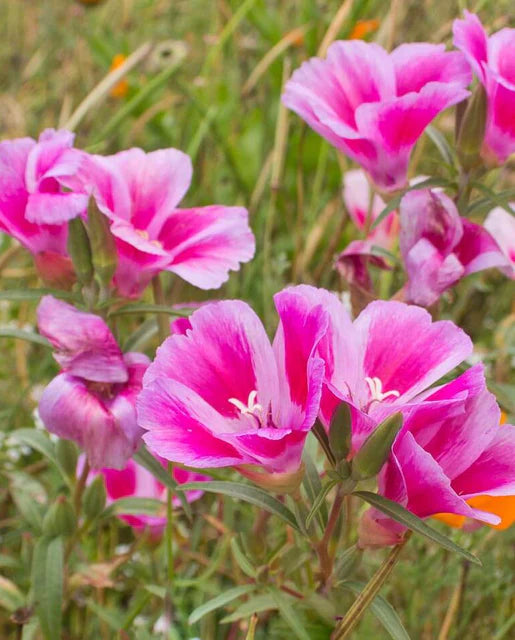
{"x":139,"y":192}
{"x":450,"y":448}
{"x":354,"y":260}
{"x":33,"y":203}
{"x":373,"y":106}
{"x":134,"y":481}
{"x":501,"y":226}
{"x":439,"y":247}
{"x":92,"y":401}
{"x":221,"y":395}
{"x":493,"y":61}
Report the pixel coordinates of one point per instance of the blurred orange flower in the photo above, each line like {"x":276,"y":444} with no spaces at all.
{"x":363,"y":28}
{"x":120,"y":89}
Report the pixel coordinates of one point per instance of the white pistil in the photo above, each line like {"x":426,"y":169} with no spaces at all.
{"x":252,"y":407}
{"x":376,"y":390}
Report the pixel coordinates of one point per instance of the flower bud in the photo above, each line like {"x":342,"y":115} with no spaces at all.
{"x":103,"y":247}
{"x":94,"y":499}
{"x":60,"y":519}
{"x":287,"y":482}
{"x":472,"y":130}
{"x":54,"y":269}
{"x":375,"y":450}
{"x":340,"y":432}
{"x":67,"y":455}
{"x":80,"y":250}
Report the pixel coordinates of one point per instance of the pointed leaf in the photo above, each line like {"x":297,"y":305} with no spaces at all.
{"x":319,"y":501}
{"x":261,"y":602}
{"x":143,"y":307}
{"x":411,"y":521}
{"x":47,"y":580}
{"x":220,"y":601}
{"x":290,"y":616}
{"x":28,"y":336}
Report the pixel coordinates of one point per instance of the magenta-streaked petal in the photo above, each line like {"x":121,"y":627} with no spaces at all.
{"x":48,"y":158}
{"x":353,"y":263}
{"x":55,"y":208}
{"x":356,"y":196}
{"x":84,"y":344}
{"x":405,"y":349}
{"x":470,"y":37}
{"x":500,"y":130}
{"x":226,"y":355}
{"x":418,"y":63}
{"x":478,"y":250}
{"x":205,"y":243}
{"x":68,"y":409}
{"x":501,"y":54}
{"x":182,"y":427}
{"x":501,"y":226}
{"x":303,"y":323}
{"x":278,"y":450}
{"x":493,"y":472}
{"x":428,"y":488}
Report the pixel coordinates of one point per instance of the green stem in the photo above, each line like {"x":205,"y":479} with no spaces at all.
{"x":326,"y":560}
{"x":353,"y":615}
{"x":159,"y":298}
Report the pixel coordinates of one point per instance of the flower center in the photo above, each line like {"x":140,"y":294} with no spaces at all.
{"x":253,"y":410}
{"x":376,"y":390}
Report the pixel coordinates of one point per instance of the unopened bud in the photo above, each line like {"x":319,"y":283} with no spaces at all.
{"x":340,"y":432}
{"x":103,"y":248}
{"x":60,"y":519}
{"x":287,"y":482}
{"x":67,"y":455}
{"x":472,"y":130}
{"x":80,"y":250}
{"x":375,"y":450}
{"x":94,"y":499}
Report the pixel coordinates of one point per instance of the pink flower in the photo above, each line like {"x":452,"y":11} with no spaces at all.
{"x":222,"y":395}
{"x":493,"y":61}
{"x":374,"y":106}
{"x":139,"y":193}
{"x":450,"y":447}
{"x":134,"y":481}
{"x":92,"y":401}
{"x":353,"y":262}
{"x":439,"y":247}
{"x":501,"y":226}
{"x":33,"y":205}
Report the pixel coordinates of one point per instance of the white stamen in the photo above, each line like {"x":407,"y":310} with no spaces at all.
{"x":251,"y":408}
{"x":376,"y":390}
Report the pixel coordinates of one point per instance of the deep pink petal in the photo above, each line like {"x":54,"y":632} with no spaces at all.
{"x":405,"y":349}
{"x":500,"y":130}
{"x":70,"y":410}
{"x":226,"y":355}
{"x":84,"y":344}
{"x":470,"y":37}
{"x":48,"y":158}
{"x":55,"y":208}
{"x":493,"y":472}
{"x":356,"y":196}
{"x":478,"y":250}
{"x":205,"y":243}
{"x":353,"y":262}
{"x":501,"y":226}
{"x":182,"y":427}
{"x":418,"y":63}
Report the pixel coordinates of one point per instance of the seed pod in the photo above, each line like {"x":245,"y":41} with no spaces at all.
{"x":67,"y":455}
{"x":103,"y":249}
{"x":375,"y":450}
{"x":80,"y":250}
{"x":60,"y":519}
{"x":340,"y":432}
{"x":472,"y":130}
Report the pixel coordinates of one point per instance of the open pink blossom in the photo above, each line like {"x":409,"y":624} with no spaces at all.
{"x":439,"y":247}
{"x":450,"y":447}
{"x":33,"y":204}
{"x":374,"y":106}
{"x":221,"y":395}
{"x":139,"y":192}
{"x":501,"y":226}
{"x":354,"y":260}
{"x":493,"y":61}
{"x":134,"y":481}
{"x":92,"y":401}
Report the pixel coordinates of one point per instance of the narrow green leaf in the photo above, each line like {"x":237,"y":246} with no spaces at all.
{"x":111,"y":617}
{"x":11,"y":598}
{"x":39,"y":441}
{"x":484,"y":204}
{"x":440,"y":142}
{"x":220,"y":601}
{"x":135,"y":506}
{"x":245,"y":492}
{"x":28,"y":336}
{"x":142,"y":307}
{"x":139,"y":339}
{"x":495,"y":198}
{"x":313,"y":485}
{"x":261,"y":602}
{"x":394,"y":202}
{"x":26,"y":295}
{"x":382,"y":610}
{"x":319,"y":501}
{"x":243,"y":562}
{"x":408,"y":519}
{"x":47,"y":580}
{"x":290,"y":616}
{"x":147,"y":460}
